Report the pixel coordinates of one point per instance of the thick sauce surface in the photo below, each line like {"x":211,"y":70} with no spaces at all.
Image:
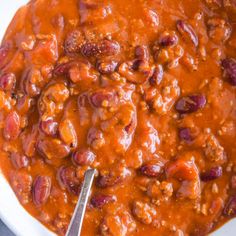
{"x":143,"y":91}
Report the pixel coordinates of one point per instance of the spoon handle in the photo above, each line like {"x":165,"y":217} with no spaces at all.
{"x":75,"y":226}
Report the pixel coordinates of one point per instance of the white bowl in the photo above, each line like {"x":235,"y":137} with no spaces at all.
{"x":11,"y":212}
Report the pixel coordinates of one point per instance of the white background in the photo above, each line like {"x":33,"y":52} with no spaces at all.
{"x":7,"y":10}
{"x":10,"y":210}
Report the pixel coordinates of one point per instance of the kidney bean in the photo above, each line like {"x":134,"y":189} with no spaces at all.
{"x":190,"y":103}
{"x":24,"y":104}
{"x":229,"y":69}
{"x":105,"y":48}
{"x":41,"y":190}
{"x":106,"y":67}
{"x":67,"y":133}
{"x":152,"y":169}
{"x":95,"y":138}
{"x":7,"y":81}
{"x":230,"y":207}
{"x":109,"y":47}
{"x":52,"y":148}
{"x":12,"y":126}
{"x":63,"y":68}
{"x":157,"y":76}
{"x":76,"y":70}
{"x":99,"y":200}
{"x":19,"y":160}
{"x":103,"y":98}
{"x":142,"y":53}
{"x":74,"y":41}
{"x":49,"y":127}
{"x":90,"y":49}
{"x":83,"y":157}
{"x":168,"y":39}
{"x":67,"y":179}
{"x":107,"y":180}
{"x":29,"y":139}
{"x":32,"y":81}
{"x":212,"y":174}
{"x":185,"y":134}
{"x":187,"y":32}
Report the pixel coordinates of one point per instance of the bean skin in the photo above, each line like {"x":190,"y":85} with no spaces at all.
{"x":229,"y":68}
{"x":83,"y":157}
{"x":187,"y":31}
{"x":12,"y":126}
{"x":99,"y":200}
{"x":7,"y":81}
{"x":41,"y":190}
{"x":190,"y":103}
{"x":212,"y":174}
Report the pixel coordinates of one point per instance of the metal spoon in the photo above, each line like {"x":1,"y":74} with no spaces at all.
{"x":78,"y":215}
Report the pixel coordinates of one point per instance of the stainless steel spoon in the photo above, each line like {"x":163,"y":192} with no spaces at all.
{"x":78,"y":215}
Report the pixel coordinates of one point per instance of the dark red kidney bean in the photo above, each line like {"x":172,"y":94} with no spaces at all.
{"x":213,"y":173}
{"x":31,"y":81}
{"x":230,"y":208}
{"x":62,"y":69}
{"x":49,"y":127}
{"x":157,"y":76}
{"x":7,"y":81}
{"x":108,"y":180}
{"x":105,"y":48}
{"x":41,"y":190}
{"x":190,"y":103}
{"x":106,"y":67}
{"x":151,"y":170}
{"x":99,"y":200}
{"x":83,"y":157}
{"x":185,"y":134}
{"x":187,"y":31}
{"x":90,"y":49}
{"x":19,"y":160}
{"x":12,"y":126}
{"x":167,"y":40}
{"x":67,"y":179}
{"x":29,"y":140}
{"x":98,"y":98}
{"x":229,"y":68}
{"x":95,"y":138}
{"x":109,"y":47}
{"x":52,"y":148}
{"x":73,"y":42}
{"x":141,"y":52}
